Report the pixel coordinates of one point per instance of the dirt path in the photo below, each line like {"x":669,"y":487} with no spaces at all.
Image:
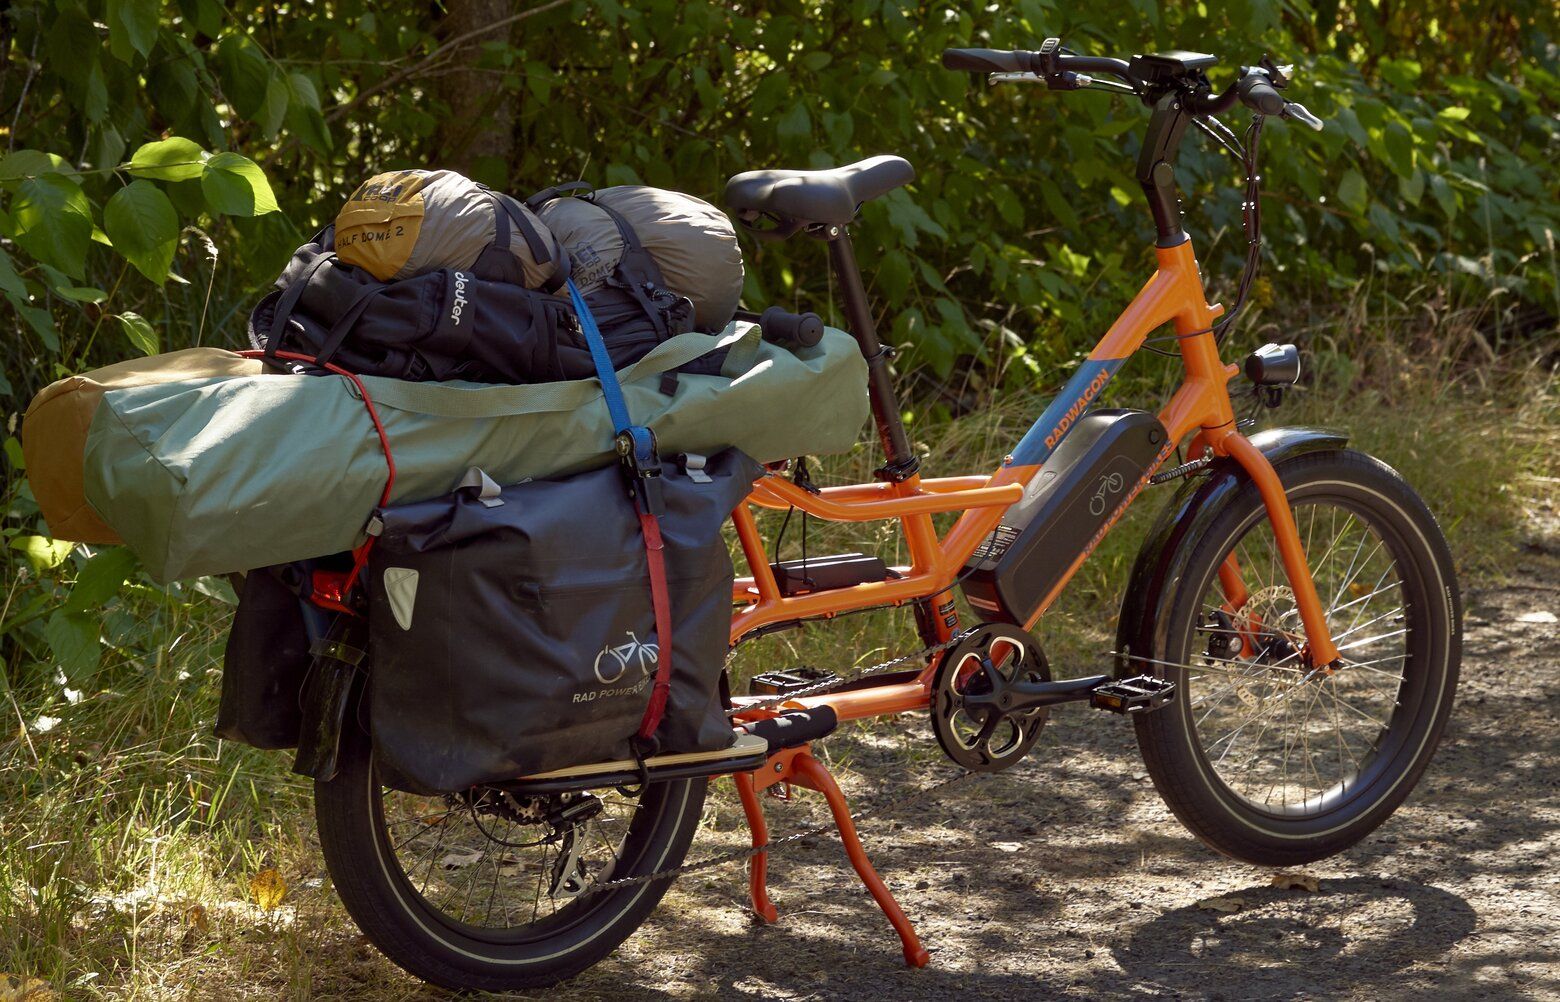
{"x":1067,"y":877}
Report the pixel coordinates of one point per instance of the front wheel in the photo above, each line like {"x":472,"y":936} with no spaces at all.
{"x":1269,"y":759}
{"x":489,"y":891}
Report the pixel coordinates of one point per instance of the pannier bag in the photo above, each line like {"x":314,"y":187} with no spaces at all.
{"x":216,"y":474}
{"x":505,"y":641}
{"x":266,"y":662}
{"x":449,"y":324}
{"x":55,"y":427}
{"x":626,"y":236}
{"x":410,"y":222}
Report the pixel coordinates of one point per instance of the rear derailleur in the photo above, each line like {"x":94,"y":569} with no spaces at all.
{"x":564,"y":820}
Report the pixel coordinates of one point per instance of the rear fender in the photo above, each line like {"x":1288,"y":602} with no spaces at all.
{"x":1161,"y":562}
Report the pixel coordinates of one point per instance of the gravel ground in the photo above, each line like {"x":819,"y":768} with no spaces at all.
{"x":1066,"y":876}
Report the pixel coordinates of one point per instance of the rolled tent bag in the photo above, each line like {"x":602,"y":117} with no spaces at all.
{"x":55,"y":428}
{"x":506,"y":642}
{"x":216,"y":474}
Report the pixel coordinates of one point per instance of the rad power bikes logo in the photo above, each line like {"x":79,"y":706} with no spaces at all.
{"x":622,"y":669}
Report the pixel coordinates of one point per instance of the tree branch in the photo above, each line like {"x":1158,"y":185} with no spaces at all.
{"x":432,"y":57}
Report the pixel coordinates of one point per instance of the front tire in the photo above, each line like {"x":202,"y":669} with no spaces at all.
{"x":1273,"y":761}
{"x":418,"y":915}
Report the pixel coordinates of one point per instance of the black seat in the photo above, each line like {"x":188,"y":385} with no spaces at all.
{"x":817,"y":196}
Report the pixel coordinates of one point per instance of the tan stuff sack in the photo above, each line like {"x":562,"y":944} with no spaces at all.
{"x":693,"y":243}
{"x":689,"y":242}
{"x":407,"y":223}
{"x":54,"y":430}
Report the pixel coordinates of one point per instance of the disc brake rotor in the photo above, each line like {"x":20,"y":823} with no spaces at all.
{"x":990,"y":657}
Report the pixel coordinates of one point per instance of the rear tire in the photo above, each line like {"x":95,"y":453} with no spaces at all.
{"x":444,"y":945}
{"x":1245,"y":706}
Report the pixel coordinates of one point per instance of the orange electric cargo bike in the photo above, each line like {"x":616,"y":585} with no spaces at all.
{"x":1288,"y":644}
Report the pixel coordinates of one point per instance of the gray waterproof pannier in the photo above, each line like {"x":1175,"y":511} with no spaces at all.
{"x":506,"y":641}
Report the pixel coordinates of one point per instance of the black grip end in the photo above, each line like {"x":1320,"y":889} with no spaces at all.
{"x":791,"y":330}
{"x":985,"y":60}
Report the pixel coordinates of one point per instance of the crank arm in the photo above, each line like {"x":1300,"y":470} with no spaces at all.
{"x":1015,"y":697}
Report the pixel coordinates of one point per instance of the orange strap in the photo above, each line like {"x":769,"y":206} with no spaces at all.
{"x":661,"y":602}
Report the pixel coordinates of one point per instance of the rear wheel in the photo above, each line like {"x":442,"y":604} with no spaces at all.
{"x":486,"y":891}
{"x":1265,"y":757}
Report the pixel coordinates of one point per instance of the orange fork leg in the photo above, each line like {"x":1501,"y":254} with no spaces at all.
{"x":1318,"y":637}
{"x":813,"y":775}
{"x":758,"y":866}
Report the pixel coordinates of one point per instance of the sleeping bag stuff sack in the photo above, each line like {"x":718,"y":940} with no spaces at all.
{"x":225,"y":473}
{"x":632,"y":237}
{"x":504,"y":641}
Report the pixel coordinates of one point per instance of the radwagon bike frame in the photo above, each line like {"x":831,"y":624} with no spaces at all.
{"x":1201,"y":405}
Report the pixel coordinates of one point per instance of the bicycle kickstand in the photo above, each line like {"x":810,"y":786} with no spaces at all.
{"x":797,"y":767}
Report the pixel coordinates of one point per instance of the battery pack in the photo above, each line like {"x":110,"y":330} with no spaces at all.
{"x":1076,"y":493}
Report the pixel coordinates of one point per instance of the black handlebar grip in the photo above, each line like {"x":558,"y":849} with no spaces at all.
{"x":791,"y":330}
{"x":1258,"y":94}
{"x":986,"y":60}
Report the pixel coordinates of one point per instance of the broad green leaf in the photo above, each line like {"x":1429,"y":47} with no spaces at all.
{"x":1352,"y":192}
{"x":144,"y":227}
{"x":100,"y":579}
{"x":80,"y":293}
{"x":132,"y":27}
{"x":73,"y":640}
{"x":94,"y":99}
{"x":140,"y":332}
{"x":795,"y":123}
{"x":41,"y":323}
{"x":10,"y":281}
{"x":54,"y":222}
{"x":1445,"y":197}
{"x":304,"y":117}
{"x":173,"y":159}
{"x":245,"y":74}
{"x":31,"y":163}
{"x":235,"y":186}
{"x":42,"y":552}
{"x":1400,"y":149}
{"x":1453,"y":114}
{"x":273,"y":112}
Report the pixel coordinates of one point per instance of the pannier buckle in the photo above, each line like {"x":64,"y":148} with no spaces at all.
{"x":642,"y":466}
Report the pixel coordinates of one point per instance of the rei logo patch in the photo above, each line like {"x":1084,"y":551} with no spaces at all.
{"x":401,"y":590}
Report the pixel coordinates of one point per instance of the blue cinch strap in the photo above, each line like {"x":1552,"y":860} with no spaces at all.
{"x":610,"y":388}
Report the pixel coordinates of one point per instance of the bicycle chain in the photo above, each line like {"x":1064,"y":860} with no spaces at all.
{"x":775,"y":845}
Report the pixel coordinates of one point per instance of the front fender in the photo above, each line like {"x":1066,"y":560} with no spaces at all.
{"x":1162,"y":560}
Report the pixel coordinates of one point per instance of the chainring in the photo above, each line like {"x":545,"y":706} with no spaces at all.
{"x":987,"y":740}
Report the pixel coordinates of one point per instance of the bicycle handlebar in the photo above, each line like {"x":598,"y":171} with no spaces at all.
{"x":1255,"y":88}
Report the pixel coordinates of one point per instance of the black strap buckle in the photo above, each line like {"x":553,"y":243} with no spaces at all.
{"x":636,"y":450}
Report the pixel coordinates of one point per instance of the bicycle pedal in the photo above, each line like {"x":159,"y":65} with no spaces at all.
{"x":783,"y":683}
{"x":1142,"y":694}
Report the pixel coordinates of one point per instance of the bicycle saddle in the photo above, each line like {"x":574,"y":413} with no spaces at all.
{"x":817,"y":196}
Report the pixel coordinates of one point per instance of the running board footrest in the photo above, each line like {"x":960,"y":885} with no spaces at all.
{"x":748,"y":752}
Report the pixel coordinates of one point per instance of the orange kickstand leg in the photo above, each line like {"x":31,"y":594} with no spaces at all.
{"x":798,"y":767}
{"x":758,"y":866}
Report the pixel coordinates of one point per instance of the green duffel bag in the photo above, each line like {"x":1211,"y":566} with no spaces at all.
{"x":214,"y":475}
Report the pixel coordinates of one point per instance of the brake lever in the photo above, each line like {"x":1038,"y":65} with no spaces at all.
{"x":1295,"y":111}
{"x":1065,"y":80}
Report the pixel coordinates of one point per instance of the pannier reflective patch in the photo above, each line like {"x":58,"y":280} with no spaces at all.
{"x":401,"y":590}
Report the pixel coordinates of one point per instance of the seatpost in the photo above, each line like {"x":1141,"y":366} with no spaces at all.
{"x":902,"y":463}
